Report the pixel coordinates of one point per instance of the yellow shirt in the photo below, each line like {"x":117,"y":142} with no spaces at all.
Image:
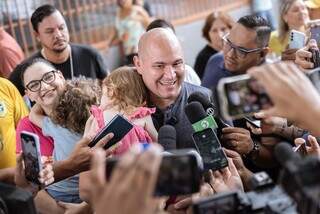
{"x":12,"y":109}
{"x":275,"y":45}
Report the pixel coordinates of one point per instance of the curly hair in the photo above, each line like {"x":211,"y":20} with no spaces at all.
{"x":127,"y":88}
{"x":72,"y":108}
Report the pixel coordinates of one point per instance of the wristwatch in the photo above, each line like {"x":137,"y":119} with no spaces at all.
{"x":254,"y":153}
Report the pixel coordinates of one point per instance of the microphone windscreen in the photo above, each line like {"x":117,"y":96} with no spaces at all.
{"x":201,"y":98}
{"x":167,"y":137}
{"x":284,"y":153}
{"x":195,"y":112}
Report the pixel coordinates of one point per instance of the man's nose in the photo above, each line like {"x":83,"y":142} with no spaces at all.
{"x":57,"y":33}
{"x":170,"y":72}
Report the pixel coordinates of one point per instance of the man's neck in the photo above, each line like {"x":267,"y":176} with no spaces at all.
{"x":160,"y":102}
{"x":54,"y":57}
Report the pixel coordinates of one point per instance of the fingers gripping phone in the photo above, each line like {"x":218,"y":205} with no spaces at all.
{"x":296,"y":39}
{"x":31,"y":156}
{"x":301,"y":149}
{"x":119,"y":126}
{"x":240,"y":96}
{"x":179,"y":173}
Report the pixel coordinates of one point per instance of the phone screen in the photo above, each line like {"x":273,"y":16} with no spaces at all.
{"x":31,"y":156}
{"x":210,"y":149}
{"x":315,"y":34}
{"x":245,"y":97}
{"x":179,"y":174}
{"x":119,"y":126}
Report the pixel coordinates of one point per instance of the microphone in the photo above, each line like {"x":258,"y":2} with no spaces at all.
{"x":204,"y":137}
{"x":203,"y":100}
{"x":284,"y":154}
{"x":167,"y":137}
{"x":208,"y":107}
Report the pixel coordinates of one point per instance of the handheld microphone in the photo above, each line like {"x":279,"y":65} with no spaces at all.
{"x":204,"y":137}
{"x":167,"y":137}
{"x":203,"y":100}
{"x":208,"y":107}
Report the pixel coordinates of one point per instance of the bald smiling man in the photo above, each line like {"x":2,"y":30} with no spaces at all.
{"x":160,"y":62}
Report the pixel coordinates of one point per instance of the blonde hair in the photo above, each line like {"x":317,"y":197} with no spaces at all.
{"x":125,"y":88}
{"x":283,"y":26}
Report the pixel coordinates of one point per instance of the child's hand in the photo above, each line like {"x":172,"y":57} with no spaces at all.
{"x":91,"y":128}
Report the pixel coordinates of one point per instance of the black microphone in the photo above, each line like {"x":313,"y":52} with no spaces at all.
{"x":284,"y":154}
{"x":205,"y":102}
{"x":204,"y":137}
{"x":167,"y":137}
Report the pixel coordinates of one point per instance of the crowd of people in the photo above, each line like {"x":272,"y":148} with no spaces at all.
{"x":65,"y":94}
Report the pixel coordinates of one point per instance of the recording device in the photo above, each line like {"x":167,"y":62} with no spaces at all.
{"x":180,"y":172}
{"x":167,"y":137}
{"x":15,"y":200}
{"x":315,"y":30}
{"x":205,"y":138}
{"x":253,"y":121}
{"x":315,"y":59}
{"x":119,"y":126}
{"x":296,"y":39}
{"x":266,"y":198}
{"x":314,"y":76}
{"x":31,"y":156}
{"x":241,"y":96}
{"x":301,"y":149}
{"x":304,"y":183}
{"x":299,"y":179}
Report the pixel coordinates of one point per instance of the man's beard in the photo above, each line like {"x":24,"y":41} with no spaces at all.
{"x":60,"y":50}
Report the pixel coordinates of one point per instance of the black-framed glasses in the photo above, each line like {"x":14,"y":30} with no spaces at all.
{"x":35,"y":85}
{"x":239,"y":51}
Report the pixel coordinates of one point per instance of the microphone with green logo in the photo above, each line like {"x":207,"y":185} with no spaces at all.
{"x":205,"y":138}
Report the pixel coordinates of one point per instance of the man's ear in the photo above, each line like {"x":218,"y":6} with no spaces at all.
{"x":264,"y":52}
{"x":36,"y":35}
{"x":137,"y":63}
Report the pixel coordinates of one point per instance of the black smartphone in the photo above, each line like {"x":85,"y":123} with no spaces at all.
{"x":119,"y":126}
{"x":240,"y":96}
{"x":253,"y":121}
{"x":315,"y":30}
{"x":179,"y":173}
{"x":314,"y":76}
{"x":209,"y":147}
{"x":31,"y":156}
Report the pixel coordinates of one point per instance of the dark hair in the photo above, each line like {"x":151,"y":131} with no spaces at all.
{"x":211,"y":18}
{"x":260,"y":25}
{"x":160,"y":23}
{"x":22,"y":67}
{"x":40,"y":13}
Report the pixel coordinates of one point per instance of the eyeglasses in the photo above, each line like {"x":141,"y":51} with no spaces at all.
{"x":239,"y":52}
{"x":35,"y":85}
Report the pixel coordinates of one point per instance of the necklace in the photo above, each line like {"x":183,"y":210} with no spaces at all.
{"x":71,"y":60}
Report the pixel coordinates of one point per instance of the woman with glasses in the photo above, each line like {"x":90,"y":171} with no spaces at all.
{"x":216,"y":25}
{"x":293,"y":16}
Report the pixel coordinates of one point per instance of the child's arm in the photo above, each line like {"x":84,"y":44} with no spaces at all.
{"x":149,"y":127}
{"x":37,"y":115}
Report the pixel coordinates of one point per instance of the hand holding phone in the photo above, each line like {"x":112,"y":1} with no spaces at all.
{"x":119,"y":126}
{"x":240,"y":96}
{"x":31,"y":156}
{"x":179,"y":173}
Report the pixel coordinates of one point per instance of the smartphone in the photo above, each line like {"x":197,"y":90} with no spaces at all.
{"x":314,"y":76}
{"x":301,"y":149}
{"x":119,"y":126}
{"x":241,"y":96}
{"x":253,"y":121}
{"x":209,"y":147}
{"x":315,"y":30}
{"x":296,"y":39}
{"x":180,"y":172}
{"x":31,"y":156}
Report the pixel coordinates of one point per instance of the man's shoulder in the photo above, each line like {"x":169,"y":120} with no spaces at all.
{"x":191,"y":88}
{"x":216,"y":58}
{"x":83,"y":49}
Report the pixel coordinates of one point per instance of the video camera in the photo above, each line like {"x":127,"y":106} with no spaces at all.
{"x":299,"y":191}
